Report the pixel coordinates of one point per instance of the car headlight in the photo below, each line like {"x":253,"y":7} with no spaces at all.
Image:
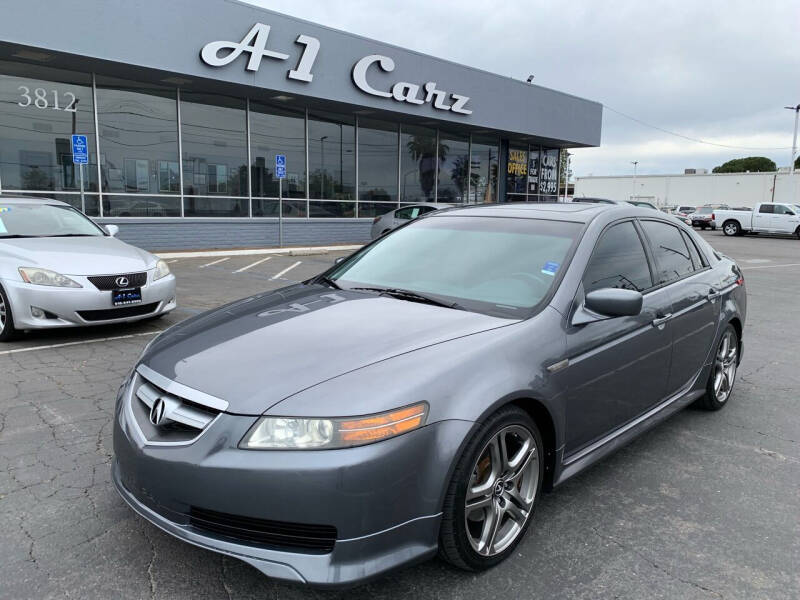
{"x":294,"y":433}
{"x":45,"y":277}
{"x":162,"y":270}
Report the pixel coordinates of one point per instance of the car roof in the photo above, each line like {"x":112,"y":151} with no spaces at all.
{"x":29,"y":200}
{"x":576,"y":212}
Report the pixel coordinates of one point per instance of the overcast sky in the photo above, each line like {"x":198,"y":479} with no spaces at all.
{"x":719,"y":70}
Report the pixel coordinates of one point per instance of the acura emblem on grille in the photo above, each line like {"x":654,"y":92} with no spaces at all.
{"x":157,"y":411}
{"x":122,"y":281}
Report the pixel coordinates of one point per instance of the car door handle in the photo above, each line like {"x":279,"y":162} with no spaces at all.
{"x":661,"y":321}
{"x":713,"y":294}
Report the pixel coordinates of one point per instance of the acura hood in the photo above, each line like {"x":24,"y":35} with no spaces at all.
{"x":260,"y":350}
{"x":97,"y":255}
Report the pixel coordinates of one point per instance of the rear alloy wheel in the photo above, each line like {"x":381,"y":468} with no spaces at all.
{"x":7,"y":331}
{"x":731,"y":228}
{"x":723,"y":373}
{"x":490,"y":500}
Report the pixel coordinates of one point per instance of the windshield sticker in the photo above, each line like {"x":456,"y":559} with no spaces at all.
{"x":2,"y":226}
{"x":550,"y":268}
{"x":5,"y":209}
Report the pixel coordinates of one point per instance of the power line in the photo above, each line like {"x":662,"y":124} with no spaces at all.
{"x":691,"y":139}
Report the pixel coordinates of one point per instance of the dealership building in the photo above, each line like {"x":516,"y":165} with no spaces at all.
{"x":209,"y":121}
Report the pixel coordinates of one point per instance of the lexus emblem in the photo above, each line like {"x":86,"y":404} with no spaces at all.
{"x":122,"y":281}
{"x":157,"y":411}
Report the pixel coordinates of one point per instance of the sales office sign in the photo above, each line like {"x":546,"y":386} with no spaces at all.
{"x":254,"y":43}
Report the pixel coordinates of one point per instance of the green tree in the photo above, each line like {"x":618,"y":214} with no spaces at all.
{"x":423,"y":150}
{"x":754,"y":164}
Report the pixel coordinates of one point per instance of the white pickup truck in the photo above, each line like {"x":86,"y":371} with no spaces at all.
{"x":767,"y":217}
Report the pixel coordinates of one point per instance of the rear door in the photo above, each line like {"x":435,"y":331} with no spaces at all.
{"x":762,"y":219}
{"x":695,"y":306}
{"x":618,"y":367}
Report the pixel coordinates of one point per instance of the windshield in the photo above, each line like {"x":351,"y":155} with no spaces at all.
{"x":44,"y":220}
{"x":498,"y":266}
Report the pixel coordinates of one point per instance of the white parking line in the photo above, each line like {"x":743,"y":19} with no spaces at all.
{"x":773,"y":266}
{"x":258,"y":262}
{"x":214,"y":262}
{"x":105,"y":339}
{"x":286,"y":270}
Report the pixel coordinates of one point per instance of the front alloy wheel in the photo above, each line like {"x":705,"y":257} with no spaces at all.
{"x":493,"y":492}
{"x":731,"y":228}
{"x":7,"y":331}
{"x":723,"y":373}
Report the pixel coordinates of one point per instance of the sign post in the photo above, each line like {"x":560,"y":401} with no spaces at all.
{"x":80,"y":157}
{"x":280,"y":173}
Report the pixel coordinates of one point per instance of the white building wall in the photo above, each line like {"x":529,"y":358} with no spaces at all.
{"x":733,"y":189}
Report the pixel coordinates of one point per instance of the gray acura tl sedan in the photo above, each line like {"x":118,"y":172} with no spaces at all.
{"x":60,"y":269}
{"x":420,"y":395}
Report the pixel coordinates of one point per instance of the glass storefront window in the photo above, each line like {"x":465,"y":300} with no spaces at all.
{"x":331,"y":210}
{"x":417,"y":163}
{"x":484,"y":161}
{"x":377,"y":160}
{"x":116,"y":205}
{"x":533,"y":173}
{"x":375,"y":209}
{"x":548,"y":179}
{"x":331,"y":156}
{"x":42,"y":108}
{"x":214,"y":154}
{"x":517,"y":174}
{"x":138,"y":128}
{"x":268,"y":207}
{"x":453,"y":169}
{"x":90,"y":201}
{"x":274,"y":131}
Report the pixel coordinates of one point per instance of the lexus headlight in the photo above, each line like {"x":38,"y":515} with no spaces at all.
{"x":162,"y":270}
{"x":290,"y":433}
{"x":45,"y":277}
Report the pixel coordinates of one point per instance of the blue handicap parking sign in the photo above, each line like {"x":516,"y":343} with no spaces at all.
{"x":280,"y":160}
{"x":280,"y":172}
{"x":80,"y":150}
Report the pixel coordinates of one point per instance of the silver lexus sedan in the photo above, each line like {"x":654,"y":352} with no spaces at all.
{"x":59,"y":269}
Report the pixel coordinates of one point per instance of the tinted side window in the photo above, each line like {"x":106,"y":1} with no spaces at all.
{"x":618,"y":261}
{"x":410,"y":212}
{"x":693,"y":252}
{"x":782,"y":210}
{"x":673,"y":260}
{"x":767,"y":208}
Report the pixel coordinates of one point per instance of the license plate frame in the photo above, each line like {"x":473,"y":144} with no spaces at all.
{"x":126,"y":296}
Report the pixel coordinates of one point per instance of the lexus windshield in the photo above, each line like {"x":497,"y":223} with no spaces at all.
{"x":43,"y":220}
{"x":495,"y":265}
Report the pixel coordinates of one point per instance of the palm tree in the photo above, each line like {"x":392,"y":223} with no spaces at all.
{"x":422,"y":149}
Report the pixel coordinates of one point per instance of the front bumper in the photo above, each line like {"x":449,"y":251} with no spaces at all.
{"x":67,"y":303}
{"x":384,"y":499}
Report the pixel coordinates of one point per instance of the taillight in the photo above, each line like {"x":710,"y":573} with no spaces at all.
{"x":712,"y":217}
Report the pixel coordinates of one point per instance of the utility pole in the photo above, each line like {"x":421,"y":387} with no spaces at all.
{"x":796,"y":110}
{"x":634,"y":163}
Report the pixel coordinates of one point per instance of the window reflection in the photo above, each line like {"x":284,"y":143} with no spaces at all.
{"x":214,"y":145}
{"x":138,"y":127}
{"x":418,"y":163}
{"x":377,"y":160}
{"x":331,"y":156}
{"x":483,"y":170}
{"x":41,"y":108}
{"x":517,"y":173}
{"x":274,"y":131}
{"x":453,"y":168}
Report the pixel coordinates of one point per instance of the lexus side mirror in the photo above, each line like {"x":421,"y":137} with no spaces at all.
{"x":112,"y":229}
{"x":614,"y":302}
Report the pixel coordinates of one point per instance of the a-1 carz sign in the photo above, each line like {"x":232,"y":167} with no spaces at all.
{"x":255,"y":44}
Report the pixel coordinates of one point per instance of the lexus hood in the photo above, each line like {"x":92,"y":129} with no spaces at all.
{"x":95,"y":255}
{"x":256,"y":352}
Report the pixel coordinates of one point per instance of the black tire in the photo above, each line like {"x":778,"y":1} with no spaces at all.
{"x":454,"y":541}
{"x":712,"y":400}
{"x":7,"y":330}
{"x":797,"y":233}
{"x":731,"y":228}
{"x":703,"y":227}
{"x":713,"y":228}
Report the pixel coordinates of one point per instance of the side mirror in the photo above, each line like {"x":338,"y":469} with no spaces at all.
{"x":608,"y":303}
{"x":112,"y":229}
{"x":339,"y":260}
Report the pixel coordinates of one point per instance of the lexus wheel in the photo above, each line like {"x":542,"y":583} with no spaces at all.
{"x":723,"y":373}
{"x":493,"y":492}
{"x":7,"y":331}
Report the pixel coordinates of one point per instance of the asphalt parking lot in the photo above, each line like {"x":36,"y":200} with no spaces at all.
{"x":707,"y":505}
